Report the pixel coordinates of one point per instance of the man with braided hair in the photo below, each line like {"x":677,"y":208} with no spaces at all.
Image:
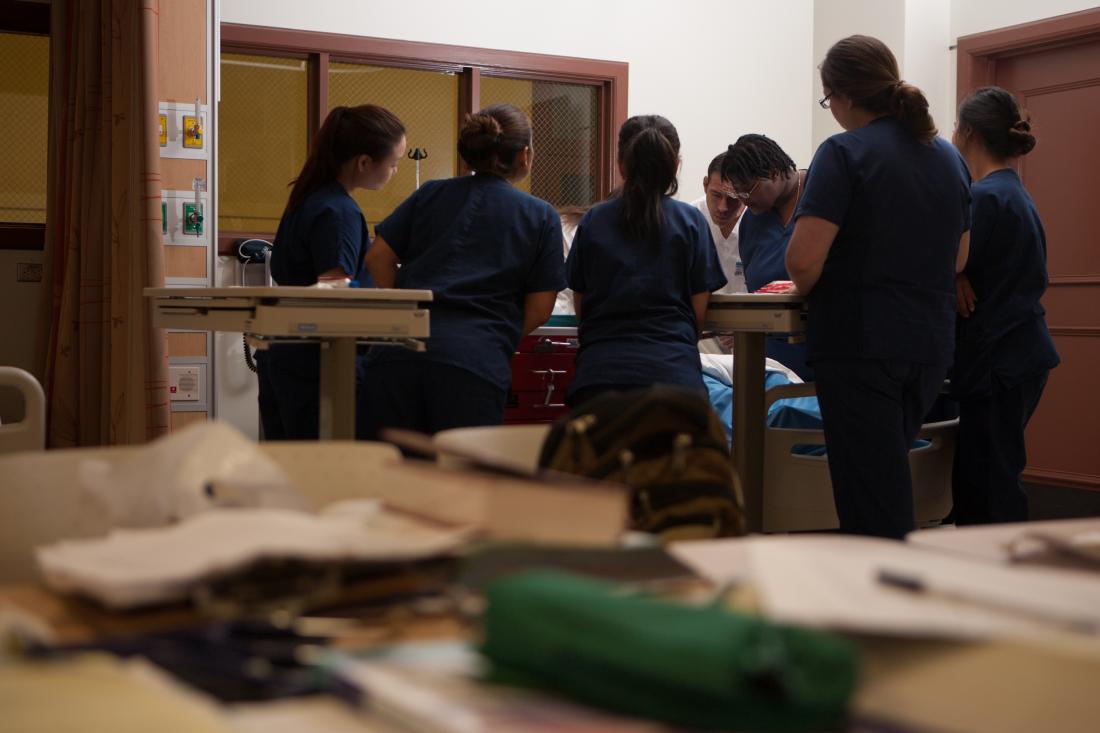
{"x":769,"y":184}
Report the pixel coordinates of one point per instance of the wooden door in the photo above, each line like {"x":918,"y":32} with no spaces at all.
{"x":1053,"y":68}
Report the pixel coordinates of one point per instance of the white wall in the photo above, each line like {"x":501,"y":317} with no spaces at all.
{"x":978,"y":16}
{"x":836,"y":19}
{"x":701,"y":63}
{"x":928,"y":61}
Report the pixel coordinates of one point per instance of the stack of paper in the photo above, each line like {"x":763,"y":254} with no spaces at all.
{"x":137,"y":567}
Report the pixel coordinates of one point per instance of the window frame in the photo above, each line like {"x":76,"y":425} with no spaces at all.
{"x":32,"y":19}
{"x":467,"y":63}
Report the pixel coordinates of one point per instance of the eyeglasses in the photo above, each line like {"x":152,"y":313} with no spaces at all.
{"x":748,"y":195}
{"x":824,"y":101}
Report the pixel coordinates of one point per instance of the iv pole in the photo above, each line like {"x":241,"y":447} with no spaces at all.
{"x":418,"y":154}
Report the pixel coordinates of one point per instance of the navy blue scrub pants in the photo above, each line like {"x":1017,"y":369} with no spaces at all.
{"x":991,"y":454}
{"x":427,"y":397}
{"x":872,"y":410}
{"x":290,"y":382}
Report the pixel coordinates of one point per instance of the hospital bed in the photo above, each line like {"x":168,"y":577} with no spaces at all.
{"x":797,"y":490}
{"x":30,"y":432}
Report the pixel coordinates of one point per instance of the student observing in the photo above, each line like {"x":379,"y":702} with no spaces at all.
{"x":1003,"y":350}
{"x":879,"y":235}
{"x":492,"y":257}
{"x":642,"y":269}
{"x":323,"y":236}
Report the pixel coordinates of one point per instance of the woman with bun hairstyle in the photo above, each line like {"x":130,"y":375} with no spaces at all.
{"x":1003,"y":351}
{"x":642,"y":268}
{"x":881,"y":231}
{"x":323,"y":236}
{"x":492,"y":257}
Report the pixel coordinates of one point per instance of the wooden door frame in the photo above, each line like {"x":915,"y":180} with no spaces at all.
{"x":978,"y":52}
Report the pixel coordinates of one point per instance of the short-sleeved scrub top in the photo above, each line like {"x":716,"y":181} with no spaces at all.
{"x":326,"y":231}
{"x":637,"y":325}
{"x":480,"y":245}
{"x":1005,"y":339}
{"x":887,"y":288}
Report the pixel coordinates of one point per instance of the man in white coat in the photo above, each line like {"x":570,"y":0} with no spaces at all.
{"x":723,"y":212}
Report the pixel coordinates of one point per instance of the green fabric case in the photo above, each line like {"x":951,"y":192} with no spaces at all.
{"x":698,"y":667}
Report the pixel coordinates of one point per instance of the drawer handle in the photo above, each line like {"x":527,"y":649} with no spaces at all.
{"x":550,"y":386}
{"x":546,"y":344}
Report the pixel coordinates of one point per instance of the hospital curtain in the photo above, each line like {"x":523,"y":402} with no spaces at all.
{"x":106,"y":366}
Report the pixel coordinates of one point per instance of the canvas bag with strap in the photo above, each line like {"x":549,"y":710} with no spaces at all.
{"x":667,"y":445}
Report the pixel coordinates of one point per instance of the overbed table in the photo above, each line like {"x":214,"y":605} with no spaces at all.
{"x":751,"y":318}
{"x":337,"y":318}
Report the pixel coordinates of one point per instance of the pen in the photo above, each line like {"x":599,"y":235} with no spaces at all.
{"x":917,"y":586}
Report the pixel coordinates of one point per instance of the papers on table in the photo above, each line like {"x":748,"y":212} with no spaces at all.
{"x":136,"y":567}
{"x":1029,"y":542}
{"x":833,"y":582}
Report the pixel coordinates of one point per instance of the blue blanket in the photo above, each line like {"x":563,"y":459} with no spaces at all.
{"x":797,"y":412}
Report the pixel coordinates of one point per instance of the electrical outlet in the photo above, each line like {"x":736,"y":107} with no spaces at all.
{"x":183,"y":383}
{"x":28,"y":272}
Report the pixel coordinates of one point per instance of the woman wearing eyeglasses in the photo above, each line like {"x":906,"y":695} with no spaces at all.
{"x":880,"y":232}
{"x":767,"y":181}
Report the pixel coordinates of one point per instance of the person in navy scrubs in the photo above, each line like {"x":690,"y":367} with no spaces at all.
{"x":492,"y":257}
{"x":323,"y":236}
{"x":766,"y":179}
{"x":1003,"y":351}
{"x":880,"y":233}
{"x":642,"y":269}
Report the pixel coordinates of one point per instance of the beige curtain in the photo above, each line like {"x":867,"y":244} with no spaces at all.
{"x":106,"y":367}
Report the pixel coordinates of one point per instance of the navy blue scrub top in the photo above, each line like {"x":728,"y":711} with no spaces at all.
{"x":480,"y":245}
{"x":637,"y":324}
{"x":887,"y":289}
{"x":327,"y":230}
{"x":763,"y":241}
{"x":1006,"y":336}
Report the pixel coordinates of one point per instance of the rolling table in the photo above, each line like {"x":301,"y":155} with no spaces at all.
{"x":751,"y":317}
{"x":337,"y":318}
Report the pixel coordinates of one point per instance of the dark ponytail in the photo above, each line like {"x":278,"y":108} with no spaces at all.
{"x":994,"y":116}
{"x":865,"y":71}
{"x":649,"y":154}
{"x":347,"y":132}
{"x":490,"y":139}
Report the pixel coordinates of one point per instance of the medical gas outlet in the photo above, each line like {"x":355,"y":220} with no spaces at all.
{"x":192,"y":218}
